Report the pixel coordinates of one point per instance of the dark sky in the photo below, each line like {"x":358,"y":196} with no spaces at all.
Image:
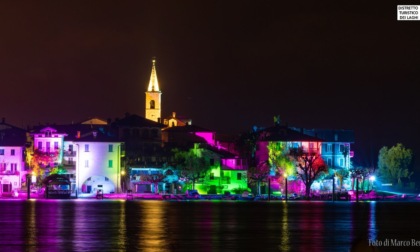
{"x":228,"y":65}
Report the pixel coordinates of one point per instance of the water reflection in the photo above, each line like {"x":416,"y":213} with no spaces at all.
{"x":30,"y":229}
{"x":152,"y":226}
{"x":111,"y":225}
{"x":284,"y":245}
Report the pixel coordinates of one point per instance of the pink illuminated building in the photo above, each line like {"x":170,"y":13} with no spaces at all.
{"x":13,"y":142}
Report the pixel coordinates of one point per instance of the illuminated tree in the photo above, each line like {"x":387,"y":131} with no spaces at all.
{"x":280,"y":159}
{"x":191,"y":165}
{"x":360,"y":174}
{"x":341,"y":174}
{"x":41,"y":160}
{"x":309,"y":166}
{"x":258,"y":174}
{"x":394,"y":163}
{"x":154,"y":179}
{"x":58,"y":170}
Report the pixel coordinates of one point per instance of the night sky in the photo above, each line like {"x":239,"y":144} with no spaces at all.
{"x":227,"y":65}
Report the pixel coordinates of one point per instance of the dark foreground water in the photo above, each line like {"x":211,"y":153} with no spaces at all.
{"x":135,"y":225}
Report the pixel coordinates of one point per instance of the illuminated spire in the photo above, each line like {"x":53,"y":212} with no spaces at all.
{"x":153,"y":84}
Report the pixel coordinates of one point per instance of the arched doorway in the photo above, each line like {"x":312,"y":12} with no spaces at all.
{"x":95,"y":183}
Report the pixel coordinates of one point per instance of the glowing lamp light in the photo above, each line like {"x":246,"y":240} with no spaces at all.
{"x":123,"y":172}
{"x":285,"y":175}
{"x":372,"y":178}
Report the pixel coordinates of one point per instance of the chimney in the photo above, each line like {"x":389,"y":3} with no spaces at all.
{"x":173,"y":114}
{"x":78,"y":134}
{"x":95,"y":133}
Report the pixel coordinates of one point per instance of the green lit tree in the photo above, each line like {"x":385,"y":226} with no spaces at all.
{"x":394,"y":163}
{"x":279,"y":158}
{"x":58,"y":170}
{"x":191,"y":165}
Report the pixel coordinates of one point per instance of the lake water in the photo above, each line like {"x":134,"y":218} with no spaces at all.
{"x":153,"y":225}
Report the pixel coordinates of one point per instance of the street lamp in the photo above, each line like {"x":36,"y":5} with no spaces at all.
{"x":285,"y":184}
{"x":122,"y":180}
{"x":372,"y":179}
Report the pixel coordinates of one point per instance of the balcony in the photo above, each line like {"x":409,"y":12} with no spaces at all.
{"x":233,"y":164}
{"x":9,"y":172}
{"x":69,"y":153}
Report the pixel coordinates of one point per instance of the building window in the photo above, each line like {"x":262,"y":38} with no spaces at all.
{"x":110,"y":148}
{"x":109,"y":163}
{"x":13,"y":167}
{"x":311,"y":145}
{"x":48,"y":133}
{"x":238,"y":176}
{"x":71,"y":147}
{"x":55,"y":145}
{"x":86,"y":163}
{"x":86,"y":147}
{"x":212,"y":175}
{"x":47,"y":146}
{"x":70,"y":161}
{"x":341,"y":161}
{"x":12,"y":152}
{"x":39,"y":145}
{"x":152,"y":104}
{"x":329,"y":162}
{"x":341,"y":148}
{"x":1,"y":151}
{"x":329,"y":148}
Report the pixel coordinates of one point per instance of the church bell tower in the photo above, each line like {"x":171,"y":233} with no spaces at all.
{"x":153,"y":97}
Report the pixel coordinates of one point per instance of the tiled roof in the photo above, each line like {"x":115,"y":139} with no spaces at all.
{"x":187,"y":129}
{"x":332,"y":135}
{"x":82,"y":132}
{"x":285,"y":134}
{"x":137,"y":121}
{"x":12,"y":137}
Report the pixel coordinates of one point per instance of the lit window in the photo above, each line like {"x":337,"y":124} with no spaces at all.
{"x":109,"y":163}
{"x":86,"y":147}
{"x":110,"y":148}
